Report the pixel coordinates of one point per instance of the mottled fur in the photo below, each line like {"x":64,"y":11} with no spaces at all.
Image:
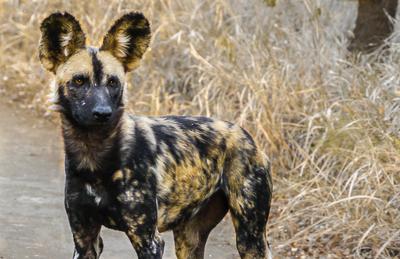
{"x":119,"y":39}
{"x":70,"y":38}
{"x":142,"y":174}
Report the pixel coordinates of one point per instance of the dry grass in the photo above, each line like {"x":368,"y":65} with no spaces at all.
{"x":328,"y":120}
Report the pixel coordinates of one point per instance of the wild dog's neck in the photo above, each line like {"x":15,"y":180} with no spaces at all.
{"x":91,"y":149}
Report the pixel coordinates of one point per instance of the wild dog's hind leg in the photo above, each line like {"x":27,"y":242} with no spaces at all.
{"x":249,"y":188}
{"x":191,"y":237}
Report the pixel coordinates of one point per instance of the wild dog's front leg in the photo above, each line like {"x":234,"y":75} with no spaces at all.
{"x":147,"y":243}
{"x":140,"y":216}
{"x":87,"y":240}
{"x":84,"y":226}
{"x":138,"y":202}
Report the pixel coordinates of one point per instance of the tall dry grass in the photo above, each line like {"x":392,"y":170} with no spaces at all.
{"x":328,"y":120}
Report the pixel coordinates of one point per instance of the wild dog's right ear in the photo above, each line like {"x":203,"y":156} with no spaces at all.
{"x":62,"y":37}
{"x":128,"y":39}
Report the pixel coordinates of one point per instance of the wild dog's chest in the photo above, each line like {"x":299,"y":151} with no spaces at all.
{"x":98,"y":202}
{"x":121,"y":198}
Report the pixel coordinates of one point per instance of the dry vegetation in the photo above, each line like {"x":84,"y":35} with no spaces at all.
{"x":328,"y":120}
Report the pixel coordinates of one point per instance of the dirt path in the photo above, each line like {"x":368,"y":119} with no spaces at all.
{"x":33,"y":223}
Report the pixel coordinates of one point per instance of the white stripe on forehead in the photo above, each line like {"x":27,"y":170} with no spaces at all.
{"x":91,"y":49}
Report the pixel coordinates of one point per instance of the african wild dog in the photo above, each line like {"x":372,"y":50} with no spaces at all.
{"x":140,"y":174}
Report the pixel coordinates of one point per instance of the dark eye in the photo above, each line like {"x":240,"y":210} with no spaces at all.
{"x":78,"y":81}
{"x":112,"y":82}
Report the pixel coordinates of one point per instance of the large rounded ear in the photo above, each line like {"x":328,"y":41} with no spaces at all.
{"x":62,"y":37}
{"x":128,"y":39}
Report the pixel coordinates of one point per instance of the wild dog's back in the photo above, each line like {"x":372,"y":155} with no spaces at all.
{"x":192,"y":158}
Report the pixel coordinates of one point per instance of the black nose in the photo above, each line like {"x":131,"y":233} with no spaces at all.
{"x":102,"y":113}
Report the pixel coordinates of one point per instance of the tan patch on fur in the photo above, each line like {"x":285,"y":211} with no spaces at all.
{"x":117,"y":176}
{"x":135,"y":239}
{"x":182,"y":250}
{"x":48,"y":64}
{"x":233,"y":135}
{"x":193,"y":181}
{"x":111,"y":66}
{"x":236,"y":180}
{"x":127,"y":130}
{"x":53,"y":97}
{"x":80,"y":63}
{"x":144,"y":124}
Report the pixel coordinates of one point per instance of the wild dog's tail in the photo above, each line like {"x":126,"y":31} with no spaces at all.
{"x":248,"y":186}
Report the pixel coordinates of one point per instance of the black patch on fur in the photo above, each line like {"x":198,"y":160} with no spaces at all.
{"x":98,"y":73}
{"x":249,"y":138}
{"x":206,"y":136}
{"x":64,"y":103}
{"x":204,"y":142}
{"x":167,"y":135}
{"x":117,"y":91}
{"x":141,"y":151}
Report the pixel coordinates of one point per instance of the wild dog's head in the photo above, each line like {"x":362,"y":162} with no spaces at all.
{"x":90,"y":81}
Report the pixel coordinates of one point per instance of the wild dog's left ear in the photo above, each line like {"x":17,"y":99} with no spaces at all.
{"x":128,"y":39}
{"x":62,"y":36}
